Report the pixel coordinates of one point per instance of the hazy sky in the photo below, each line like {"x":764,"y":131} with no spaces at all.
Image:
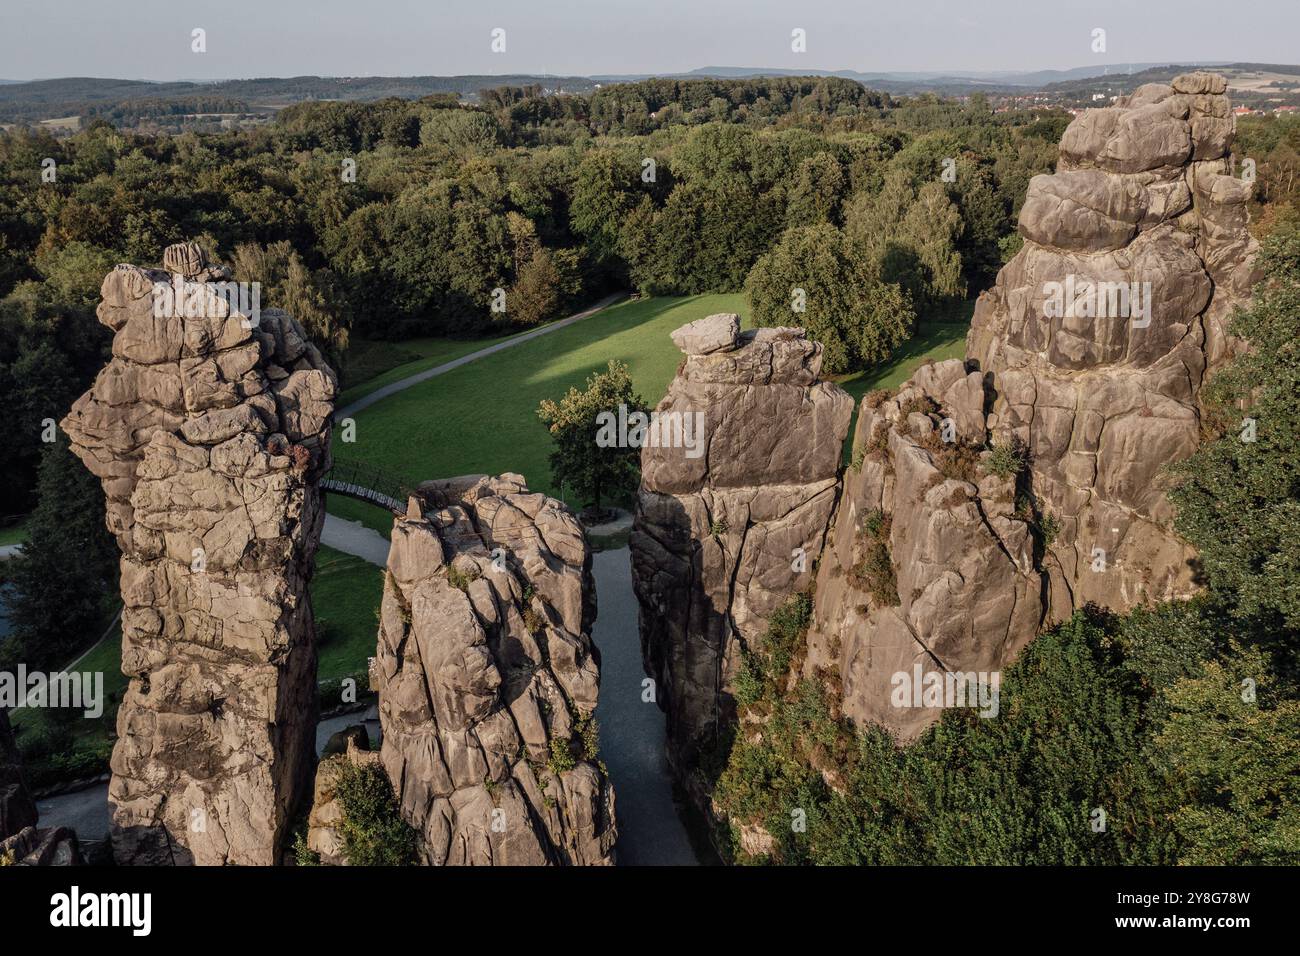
{"x":150,"y":39}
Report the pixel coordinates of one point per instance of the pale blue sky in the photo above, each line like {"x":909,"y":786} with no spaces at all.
{"x":150,"y":39}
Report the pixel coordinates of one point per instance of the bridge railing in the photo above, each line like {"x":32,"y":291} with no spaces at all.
{"x":365,"y":482}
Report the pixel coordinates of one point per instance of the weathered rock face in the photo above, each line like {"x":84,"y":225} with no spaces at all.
{"x":1089,"y":353}
{"x":44,"y":846}
{"x":487,"y":678}
{"x":17,"y":811}
{"x":729,"y":522}
{"x":209,"y":430}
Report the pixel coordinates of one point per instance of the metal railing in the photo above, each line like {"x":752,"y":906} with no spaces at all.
{"x":354,"y":479}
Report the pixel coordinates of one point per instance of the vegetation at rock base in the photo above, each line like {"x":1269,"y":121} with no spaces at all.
{"x":764,"y":666}
{"x":373,"y":831}
{"x":302,"y":854}
{"x":1238,"y":498}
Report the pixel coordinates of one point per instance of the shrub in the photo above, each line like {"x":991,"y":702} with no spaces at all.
{"x":1049,"y":527}
{"x":589,"y":733}
{"x":562,"y":759}
{"x":373,"y":831}
{"x":874,"y":572}
{"x":302,"y":854}
{"x":1006,"y":460}
{"x":461,"y":580}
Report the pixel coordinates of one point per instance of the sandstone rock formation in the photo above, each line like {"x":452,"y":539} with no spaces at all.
{"x":725,"y":532}
{"x":43,"y":846}
{"x":1089,"y":354}
{"x":17,"y":811}
{"x":22,"y":843}
{"x":209,"y":430}
{"x":487,"y":678}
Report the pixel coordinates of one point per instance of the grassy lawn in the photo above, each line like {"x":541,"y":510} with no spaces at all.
{"x":373,"y":364}
{"x":372,"y":516}
{"x":345,"y":591}
{"x":482,"y":417}
{"x":934,"y":341}
{"x":13,"y":534}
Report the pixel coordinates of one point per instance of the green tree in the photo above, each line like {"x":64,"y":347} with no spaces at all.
{"x":812,"y":279}
{"x":605,"y":189}
{"x":66,"y":566}
{"x":1238,"y":496}
{"x":287,"y":283}
{"x":593,"y":469}
{"x":544,"y":283}
{"x":1233,"y":747}
{"x":910,"y":235}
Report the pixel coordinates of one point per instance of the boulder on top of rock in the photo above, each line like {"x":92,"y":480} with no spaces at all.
{"x":713,"y":333}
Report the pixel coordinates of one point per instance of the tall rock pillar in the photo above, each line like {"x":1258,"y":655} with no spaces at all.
{"x":209,"y":430}
{"x":950,"y":552}
{"x":739,"y":477}
{"x":488,"y":679}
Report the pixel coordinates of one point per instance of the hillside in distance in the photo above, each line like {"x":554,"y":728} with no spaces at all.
{"x":27,"y":102}
{"x":65,"y":104}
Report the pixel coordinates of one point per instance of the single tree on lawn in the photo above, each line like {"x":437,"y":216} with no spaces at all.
{"x":593,"y":472}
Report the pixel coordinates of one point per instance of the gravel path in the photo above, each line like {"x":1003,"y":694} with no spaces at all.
{"x":352,"y":537}
{"x":632,"y":731}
